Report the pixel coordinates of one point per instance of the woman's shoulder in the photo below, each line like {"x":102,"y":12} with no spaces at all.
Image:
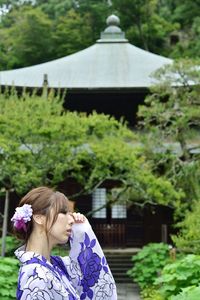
{"x":34,"y":270}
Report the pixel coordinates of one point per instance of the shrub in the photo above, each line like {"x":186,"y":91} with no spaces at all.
{"x":178,"y":275}
{"x":11,"y":245}
{"x":188,"y":240}
{"x":151,"y":293}
{"x":61,"y":250}
{"x":8,"y":278}
{"x":148,"y":263}
{"x":189,"y":293}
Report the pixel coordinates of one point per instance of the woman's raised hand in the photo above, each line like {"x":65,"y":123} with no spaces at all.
{"x":78,"y":217}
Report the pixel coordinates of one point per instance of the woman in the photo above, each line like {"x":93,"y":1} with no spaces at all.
{"x":43,"y":220}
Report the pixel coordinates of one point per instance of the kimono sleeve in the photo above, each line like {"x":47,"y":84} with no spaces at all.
{"x":88,"y":268}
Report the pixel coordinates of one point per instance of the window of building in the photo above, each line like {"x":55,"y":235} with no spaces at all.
{"x":98,"y":200}
{"x":119,"y":211}
{"x":116,"y":211}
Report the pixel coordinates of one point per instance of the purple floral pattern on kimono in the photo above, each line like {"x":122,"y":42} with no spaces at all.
{"x":90,"y":264}
{"x":84,"y":274}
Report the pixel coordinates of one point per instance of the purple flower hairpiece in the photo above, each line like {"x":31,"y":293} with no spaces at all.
{"x":21,"y":216}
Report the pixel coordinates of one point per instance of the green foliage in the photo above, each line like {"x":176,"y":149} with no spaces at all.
{"x":51,"y":29}
{"x":161,"y":278}
{"x":178,"y":275}
{"x":186,"y":13}
{"x":144,"y":187}
{"x":36,"y":31}
{"x":171,"y":120}
{"x":55,"y":8}
{"x":98,"y":10}
{"x":11,"y":245}
{"x":42,"y":145}
{"x":173,"y":110}
{"x":148,"y":263}
{"x":8,"y":278}
{"x":150,"y":293}
{"x":189,"y":293}
{"x":61,"y":250}
{"x":145,"y":24}
{"x":188,"y":238}
{"x":72,"y":33}
{"x":25,"y":141}
{"x":29,"y":46}
{"x":50,"y":145}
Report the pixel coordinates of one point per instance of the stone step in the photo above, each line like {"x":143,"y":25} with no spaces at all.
{"x":120,"y":262}
{"x":127,"y":291}
{"x":119,"y":257}
{"x":119,"y":278}
{"x":121,"y":269}
{"x":122,"y":280}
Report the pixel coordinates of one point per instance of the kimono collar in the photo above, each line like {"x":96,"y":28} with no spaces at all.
{"x":25,"y":256}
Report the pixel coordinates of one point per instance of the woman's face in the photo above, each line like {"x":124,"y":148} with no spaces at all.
{"x":61,"y":229}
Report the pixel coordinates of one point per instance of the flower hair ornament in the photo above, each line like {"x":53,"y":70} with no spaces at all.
{"x":21,"y":216}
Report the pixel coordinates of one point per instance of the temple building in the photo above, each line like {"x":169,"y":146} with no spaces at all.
{"x":112,"y":76}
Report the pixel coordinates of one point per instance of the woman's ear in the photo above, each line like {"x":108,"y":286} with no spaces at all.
{"x":39,"y":219}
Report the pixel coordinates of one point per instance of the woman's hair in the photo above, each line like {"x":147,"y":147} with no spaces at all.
{"x":44,"y":201}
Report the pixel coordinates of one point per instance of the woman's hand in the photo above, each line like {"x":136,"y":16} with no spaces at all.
{"x":78,"y":217}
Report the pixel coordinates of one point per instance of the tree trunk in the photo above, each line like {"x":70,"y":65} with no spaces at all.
{"x":5,"y":224}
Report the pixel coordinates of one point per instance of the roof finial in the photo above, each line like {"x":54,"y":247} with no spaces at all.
{"x":113,"y":33}
{"x":113,"y":20}
{"x":45,"y":86}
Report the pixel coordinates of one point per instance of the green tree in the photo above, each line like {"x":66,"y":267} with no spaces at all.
{"x":144,"y":24}
{"x":99,"y":11}
{"x":189,"y":45}
{"x":171,"y":118}
{"x":25,"y":146}
{"x":92,"y":15}
{"x":56,"y":8}
{"x":186,"y":13}
{"x":27,"y":38}
{"x":42,"y":144}
{"x":165,"y":27}
{"x":187,"y":240}
{"x":32,"y":34}
{"x":72,"y":33}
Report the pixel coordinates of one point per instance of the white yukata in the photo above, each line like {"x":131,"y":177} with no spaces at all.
{"x":84,"y":274}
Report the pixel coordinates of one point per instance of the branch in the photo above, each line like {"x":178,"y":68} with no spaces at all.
{"x":87,"y":191}
{"x":113,"y":201}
